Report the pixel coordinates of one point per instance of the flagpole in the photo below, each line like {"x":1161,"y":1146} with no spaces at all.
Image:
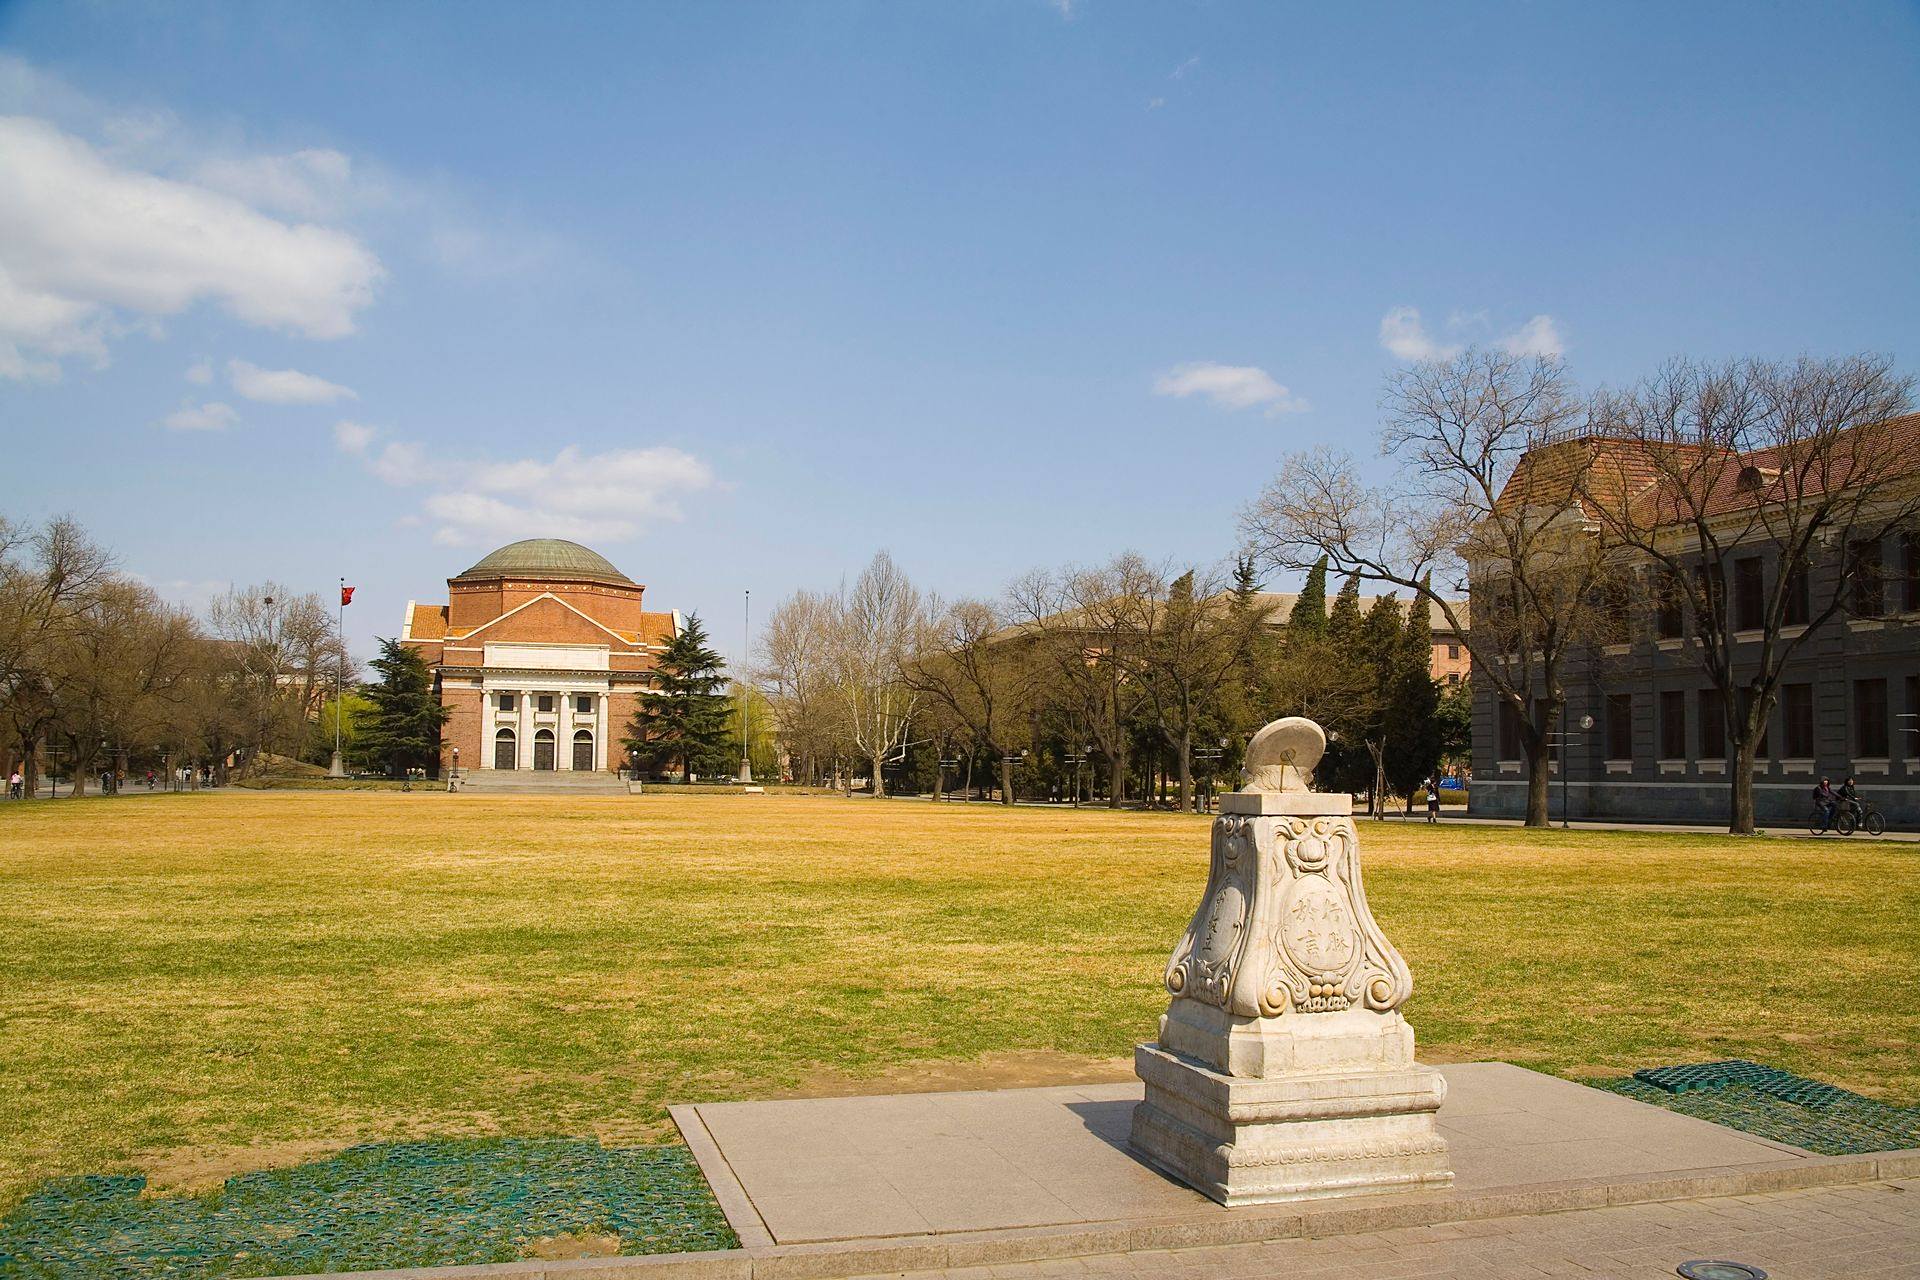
{"x":338,"y":768}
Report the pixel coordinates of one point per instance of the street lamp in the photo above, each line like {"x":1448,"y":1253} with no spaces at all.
{"x":1210,"y":756}
{"x":455,"y":772}
{"x":1563,"y":740}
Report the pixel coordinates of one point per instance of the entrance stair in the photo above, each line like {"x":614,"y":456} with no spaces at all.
{"x":548,"y":782}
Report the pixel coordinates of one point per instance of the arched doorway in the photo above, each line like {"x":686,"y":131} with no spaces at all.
{"x":543,"y":749}
{"x":506,"y":750}
{"x":583,"y":751}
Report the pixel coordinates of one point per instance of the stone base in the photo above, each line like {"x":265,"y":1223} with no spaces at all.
{"x":1296,"y":1137}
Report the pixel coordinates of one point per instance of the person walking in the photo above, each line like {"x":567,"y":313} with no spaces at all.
{"x":1433,"y":801}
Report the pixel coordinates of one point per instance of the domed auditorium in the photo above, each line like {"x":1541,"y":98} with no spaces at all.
{"x":538,"y":655}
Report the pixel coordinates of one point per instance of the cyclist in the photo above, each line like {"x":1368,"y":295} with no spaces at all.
{"x":1825,"y":801}
{"x":1850,"y":800}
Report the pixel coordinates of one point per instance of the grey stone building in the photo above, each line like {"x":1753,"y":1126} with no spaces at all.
{"x":1656,"y":750}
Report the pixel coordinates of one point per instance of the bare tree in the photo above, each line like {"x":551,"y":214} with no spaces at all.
{"x":876,"y":625}
{"x":795,"y":673}
{"x":284,"y":646}
{"x":1089,"y":630}
{"x":49,"y":577}
{"x":1782,"y":478}
{"x":981,"y":686}
{"x":1466,"y":505}
{"x":1195,"y":645}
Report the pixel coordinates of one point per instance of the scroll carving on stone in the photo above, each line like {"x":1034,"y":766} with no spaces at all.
{"x":1284,"y":1068}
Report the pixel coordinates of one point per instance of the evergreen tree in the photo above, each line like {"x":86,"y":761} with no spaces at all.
{"x":1246,"y":697}
{"x":1414,"y":739}
{"x":1343,"y":621}
{"x":1309,"y":616}
{"x":402,"y":731}
{"x":1454,"y":717}
{"x":687,"y":720}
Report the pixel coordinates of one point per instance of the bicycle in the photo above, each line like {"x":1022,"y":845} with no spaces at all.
{"x":1857,"y":816}
{"x":1818,"y":824}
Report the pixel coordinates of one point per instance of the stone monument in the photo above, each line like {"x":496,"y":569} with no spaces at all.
{"x":1284,"y":1069}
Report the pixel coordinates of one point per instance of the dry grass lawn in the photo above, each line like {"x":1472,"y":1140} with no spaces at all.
{"x":195,"y":984}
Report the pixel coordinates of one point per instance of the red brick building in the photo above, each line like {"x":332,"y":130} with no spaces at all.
{"x":539,"y":655}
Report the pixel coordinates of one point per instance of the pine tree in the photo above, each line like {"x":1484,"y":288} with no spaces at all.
{"x":1343,"y":621}
{"x":1414,"y":736}
{"x":686,"y":719}
{"x":1309,"y":616}
{"x":403,"y":729}
{"x":1347,"y":766}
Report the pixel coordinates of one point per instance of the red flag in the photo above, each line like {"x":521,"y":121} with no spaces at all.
{"x":346,"y":595}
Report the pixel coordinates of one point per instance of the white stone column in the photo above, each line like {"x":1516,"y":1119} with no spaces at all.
{"x":603,"y":744}
{"x":523,"y":749}
{"x":563,"y":757}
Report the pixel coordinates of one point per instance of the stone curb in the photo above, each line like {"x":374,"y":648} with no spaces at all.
{"x":837,"y":1260}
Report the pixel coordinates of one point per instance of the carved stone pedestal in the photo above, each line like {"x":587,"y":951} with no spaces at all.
{"x":1283,"y":1069}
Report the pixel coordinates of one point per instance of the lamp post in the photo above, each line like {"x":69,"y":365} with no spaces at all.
{"x":1563,"y":740}
{"x":1209,"y":756}
{"x":746,"y":640}
{"x":454,"y":773}
{"x":1077,"y":758}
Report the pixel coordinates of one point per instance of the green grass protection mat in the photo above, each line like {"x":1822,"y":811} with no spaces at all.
{"x":1776,"y":1104}
{"x":387,"y":1204}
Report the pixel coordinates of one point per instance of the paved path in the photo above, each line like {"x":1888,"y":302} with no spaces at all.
{"x":1867,"y":1231}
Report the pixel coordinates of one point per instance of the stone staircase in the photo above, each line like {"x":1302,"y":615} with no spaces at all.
{"x":545,"y":782}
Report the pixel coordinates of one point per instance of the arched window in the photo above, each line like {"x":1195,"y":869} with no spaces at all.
{"x":506,"y":750}
{"x":543,"y":749}
{"x":583,"y":751}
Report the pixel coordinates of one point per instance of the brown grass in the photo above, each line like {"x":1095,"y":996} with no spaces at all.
{"x":191,"y":978}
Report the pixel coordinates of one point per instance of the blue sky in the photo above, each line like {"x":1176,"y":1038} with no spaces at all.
{"x":740,"y":294}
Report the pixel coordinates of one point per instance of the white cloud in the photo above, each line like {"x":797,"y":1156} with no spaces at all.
{"x":1180,"y":72}
{"x":605,"y":497}
{"x":1537,"y":337}
{"x":86,"y":239}
{"x":1230,"y":387}
{"x":1154,"y":104}
{"x":200,"y":373}
{"x":1402,"y":334}
{"x":311,"y":183}
{"x":352,"y":437}
{"x":401,"y":463}
{"x":212,"y":416}
{"x":284,"y":386}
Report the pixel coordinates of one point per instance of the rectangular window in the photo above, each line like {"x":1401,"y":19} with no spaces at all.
{"x":1673,"y":725}
{"x":1796,"y":712}
{"x":1619,"y":726}
{"x":1759,"y":748}
{"x":1667,"y":593}
{"x":583,"y":704}
{"x":544,"y":702}
{"x":1797,"y":609}
{"x":1867,"y":597}
{"x":1453,"y":652}
{"x":1909,"y":725}
{"x":1509,"y":731}
{"x":508,"y":702}
{"x":1710,"y":582}
{"x":1713,"y":725}
{"x":1869,"y":719}
{"x":1910,"y":571}
{"x":1749,"y":595}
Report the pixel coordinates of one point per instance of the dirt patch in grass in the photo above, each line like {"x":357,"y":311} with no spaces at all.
{"x":1014,"y":1069}
{"x":190,"y":1172}
{"x":589,"y":1244}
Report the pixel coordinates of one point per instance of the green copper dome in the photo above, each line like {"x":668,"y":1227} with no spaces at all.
{"x":546,"y":558}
